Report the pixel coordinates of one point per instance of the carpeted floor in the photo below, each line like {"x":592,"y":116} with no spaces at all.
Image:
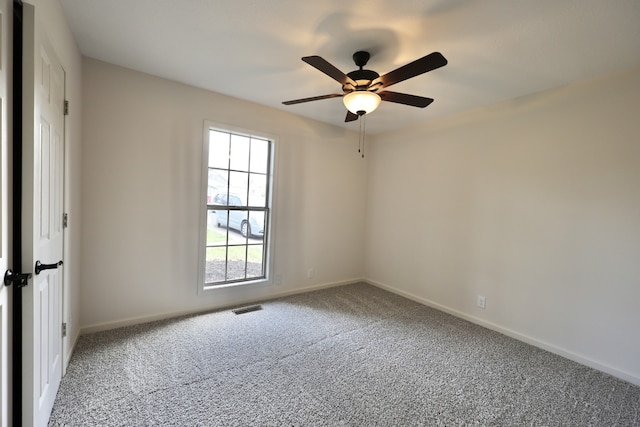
{"x":348,"y":356}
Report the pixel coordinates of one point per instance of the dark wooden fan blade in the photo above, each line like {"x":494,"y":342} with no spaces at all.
{"x":351,"y":117}
{"x":331,"y":71}
{"x":419,"y":66}
{"x":406,"y":99}
{"x":313,"y":98}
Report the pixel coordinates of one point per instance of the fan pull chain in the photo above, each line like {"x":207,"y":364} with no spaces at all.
{"x":361,"y":135}
{"x":364,"y":132}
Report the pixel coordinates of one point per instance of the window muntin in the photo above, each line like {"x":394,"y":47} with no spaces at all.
{"x":238,"y":174}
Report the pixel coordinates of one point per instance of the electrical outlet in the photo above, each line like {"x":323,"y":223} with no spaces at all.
{"x":481,"y":301}
{"x":310,"y":273}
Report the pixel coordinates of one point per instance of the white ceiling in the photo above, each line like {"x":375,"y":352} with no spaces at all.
{"x":251,"y":49}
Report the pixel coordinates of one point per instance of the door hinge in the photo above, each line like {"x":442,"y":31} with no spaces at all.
{"x":64,"y":330}
{"x":65,"y":220}
{"x":66,"y":107}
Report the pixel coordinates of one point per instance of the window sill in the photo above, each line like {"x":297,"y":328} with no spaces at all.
{"x":253,"y":283}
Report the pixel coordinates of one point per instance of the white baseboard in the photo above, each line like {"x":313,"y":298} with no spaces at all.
{"x":69,"y":353}
{"x":99,"y":327}
{"x":583,"y":360}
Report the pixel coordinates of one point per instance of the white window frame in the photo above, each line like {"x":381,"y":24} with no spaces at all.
{"x":269,"y":244}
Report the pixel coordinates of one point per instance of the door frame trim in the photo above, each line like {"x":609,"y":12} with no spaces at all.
{"x":16,"y":209}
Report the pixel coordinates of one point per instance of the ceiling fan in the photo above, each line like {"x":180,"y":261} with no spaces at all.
{"x":360,"y":87}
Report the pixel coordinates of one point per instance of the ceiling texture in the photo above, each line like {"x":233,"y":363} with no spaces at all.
{"x":251,"y":49}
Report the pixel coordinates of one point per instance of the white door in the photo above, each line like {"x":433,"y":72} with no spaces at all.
{"x":6,"y":19}
{"x":42,"y":216}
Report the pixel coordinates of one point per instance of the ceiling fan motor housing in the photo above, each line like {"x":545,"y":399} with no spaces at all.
{"x":362,"y":77}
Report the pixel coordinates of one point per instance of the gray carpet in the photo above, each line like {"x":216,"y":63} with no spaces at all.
{"x":348,"y":356}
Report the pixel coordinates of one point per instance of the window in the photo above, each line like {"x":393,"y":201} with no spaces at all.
{"x":237,"y":179}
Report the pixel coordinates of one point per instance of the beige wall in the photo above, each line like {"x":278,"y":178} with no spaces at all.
{"x":141,"y":165}
{"x":533,"y":203}
{"x":49,"y":13}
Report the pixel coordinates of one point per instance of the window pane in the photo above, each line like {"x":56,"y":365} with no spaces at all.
{"x":254,"y":262}
{"x":215,"y":265}
{"x":257,"y":190}
{"x":220,"y":218}
{"x":259,"y":155}
{"x":243,"y":223}
{"x":238,"y":182}
{"x":216,"y":183}
{"x":239,"y":153}
{"x":256,"y":225}
{"x":236,"y":221}
{"x":236,"y":262}
{"x":218,"y":149}
{"x":216,"y":234}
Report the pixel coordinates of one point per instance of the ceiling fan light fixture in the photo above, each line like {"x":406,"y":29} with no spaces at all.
{"x":361,"y":100}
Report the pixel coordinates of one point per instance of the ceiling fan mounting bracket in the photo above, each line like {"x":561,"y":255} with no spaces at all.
{"x":361,"y":58}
